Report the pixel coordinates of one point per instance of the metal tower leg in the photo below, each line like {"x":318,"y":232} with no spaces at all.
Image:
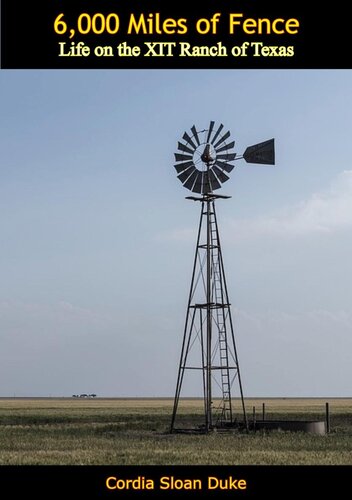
{"x":188,"y":331}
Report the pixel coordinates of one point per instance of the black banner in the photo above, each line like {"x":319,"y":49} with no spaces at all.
{"x":176,"y":482}
{"x":174,"y":34}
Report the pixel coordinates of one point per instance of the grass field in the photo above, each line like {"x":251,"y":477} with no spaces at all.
{"x":135,"y":432}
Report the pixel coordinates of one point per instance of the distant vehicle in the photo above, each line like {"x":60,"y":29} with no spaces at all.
{"x":84,"y":396}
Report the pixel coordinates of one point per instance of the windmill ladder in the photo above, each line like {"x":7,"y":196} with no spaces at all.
{"x":220,"y":306}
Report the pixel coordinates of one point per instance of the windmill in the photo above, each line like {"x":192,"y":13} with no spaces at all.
{"x":208,"y":346}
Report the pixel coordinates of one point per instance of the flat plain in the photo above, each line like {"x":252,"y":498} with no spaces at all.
{"x":72,"y":431}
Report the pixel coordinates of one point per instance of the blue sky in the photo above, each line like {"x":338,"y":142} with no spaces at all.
{"x":97,"y":239}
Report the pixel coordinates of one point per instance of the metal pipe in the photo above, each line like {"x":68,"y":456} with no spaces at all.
{"x":232,"y":332}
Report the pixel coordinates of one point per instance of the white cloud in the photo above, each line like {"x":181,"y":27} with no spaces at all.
{"x":323,"y":213}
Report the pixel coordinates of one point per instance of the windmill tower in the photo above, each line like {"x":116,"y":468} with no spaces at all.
{"x":209,"y":346}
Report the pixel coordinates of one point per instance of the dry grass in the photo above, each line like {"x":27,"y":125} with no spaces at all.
{"x":134,"y":432}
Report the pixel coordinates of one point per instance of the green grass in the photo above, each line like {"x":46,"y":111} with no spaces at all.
{"x":135,"y":432}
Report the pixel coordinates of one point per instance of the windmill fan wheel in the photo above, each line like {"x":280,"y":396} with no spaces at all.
{"x":202,"y":160}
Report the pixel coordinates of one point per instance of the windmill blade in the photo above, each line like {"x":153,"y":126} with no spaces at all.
{"x":185,"y":174}
{"x":226,"y":156}
{"x":230,"y":145}
{"x":215,"y":184}
{"x":223,"y":139}
{"x":263,"y":153}
{"x":190,"y":181}
{"x":182,"y":166}
{"x":197,"y":188}
{"x":220,"y":174}
{"x":179,"y":157}
{"x":211,"y":126}
{"x":225,"y":166}
{"x":187,"y":138}
{"x":195,"y":134}
{"x":183,"y":147}
{"x":221,"y":126}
